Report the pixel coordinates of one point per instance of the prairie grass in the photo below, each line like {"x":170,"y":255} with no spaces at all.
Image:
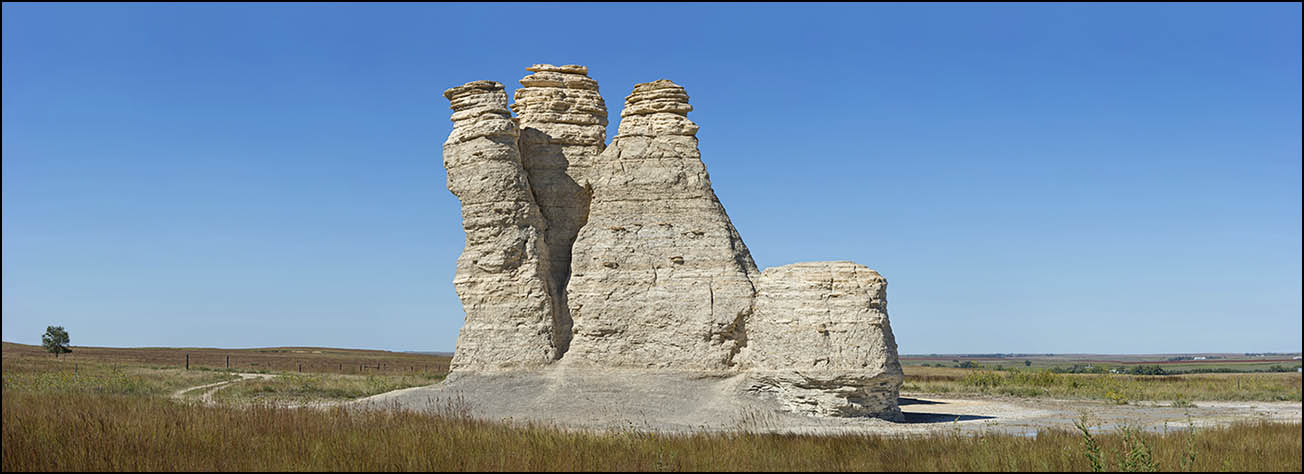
{"x":77,"y":431}
{"x":70,"y":415}
{"x":1112,"y":387}
{"x":269,"y":359}
{"x":46,"y":376}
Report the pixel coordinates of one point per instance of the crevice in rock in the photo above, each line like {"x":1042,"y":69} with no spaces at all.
{"x":563,"y":120}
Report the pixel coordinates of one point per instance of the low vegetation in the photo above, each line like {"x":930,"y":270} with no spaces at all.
{"x":262,"y":360}
{"x":1131,"y":365}
{"x":48,"y":377}
{"x":86,"y":414}
{"x":1111,"y":387}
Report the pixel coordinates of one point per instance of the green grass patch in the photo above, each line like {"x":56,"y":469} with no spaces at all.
{"x":1116,"y":388}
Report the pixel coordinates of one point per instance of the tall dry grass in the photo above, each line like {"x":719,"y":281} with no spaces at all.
{"x":95,"y":432}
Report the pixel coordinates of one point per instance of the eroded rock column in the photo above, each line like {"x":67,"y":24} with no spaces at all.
{"x":563,"y":123}
{"x":659,"y":276}
{"x":820,"y":340}
{"x":503,"y":276}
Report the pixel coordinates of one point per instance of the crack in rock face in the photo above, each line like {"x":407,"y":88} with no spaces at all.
{"x":586,"y":256}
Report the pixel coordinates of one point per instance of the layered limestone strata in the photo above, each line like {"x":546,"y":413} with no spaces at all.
{"x":563,"y":124}
{"x":659,"y":276}
{"x":585,"y":262}
{"x":503,"y":274}
{"x":821,"y":342}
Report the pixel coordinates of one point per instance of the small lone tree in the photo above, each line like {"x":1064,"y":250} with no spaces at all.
{"x":56,"y":340}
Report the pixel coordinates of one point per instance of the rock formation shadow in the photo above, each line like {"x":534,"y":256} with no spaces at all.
{"x":564,"y":204}
{"x":903,"y":401}
{"x":916,"y":417}
{"x":911,"y":418}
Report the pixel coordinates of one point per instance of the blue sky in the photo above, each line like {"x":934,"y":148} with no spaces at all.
{"x":1029,"y":178}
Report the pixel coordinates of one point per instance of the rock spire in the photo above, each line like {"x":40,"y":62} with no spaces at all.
{"x":563,"y":128}
{"x":585,"y":260}
{"x":503,"y":273}
{"x":660,"y":277}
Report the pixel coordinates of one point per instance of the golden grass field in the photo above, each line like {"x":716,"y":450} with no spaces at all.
{"x":113,"y":411}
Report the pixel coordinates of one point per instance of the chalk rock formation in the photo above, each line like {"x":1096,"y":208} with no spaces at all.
{"x":563,"y":123}
{"x":503,"y":274}
{"x":584,"y":260}
{"x":820,"y":340}
{"x":659,"y":276}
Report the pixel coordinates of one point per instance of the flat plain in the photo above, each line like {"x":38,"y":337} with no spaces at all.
{"x":140,"y":409}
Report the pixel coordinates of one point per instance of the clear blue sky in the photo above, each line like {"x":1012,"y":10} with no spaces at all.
{"x":1029,"y":178}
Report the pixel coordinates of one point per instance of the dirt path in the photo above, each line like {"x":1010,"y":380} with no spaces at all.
{"x":207,"y":397}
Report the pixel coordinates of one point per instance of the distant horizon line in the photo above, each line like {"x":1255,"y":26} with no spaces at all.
{"x":916,"y":354}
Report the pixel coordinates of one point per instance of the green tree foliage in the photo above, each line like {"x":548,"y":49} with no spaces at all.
{"x":1148,"y":370}
{"x":56,"y":340}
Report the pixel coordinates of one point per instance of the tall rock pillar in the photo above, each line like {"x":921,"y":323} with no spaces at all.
{"x":659,"y":276}
{"x":563,"y":129}
{"x":503,"y":276}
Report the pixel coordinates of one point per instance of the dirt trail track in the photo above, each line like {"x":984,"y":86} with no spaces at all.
{"x":207,"y":397}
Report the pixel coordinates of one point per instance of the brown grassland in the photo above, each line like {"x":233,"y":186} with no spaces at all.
{"x":108,"y":414}
{"x":268,"y":359}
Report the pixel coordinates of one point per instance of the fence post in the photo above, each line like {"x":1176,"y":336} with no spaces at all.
{"x":228,"y":362}
{"x":300,"y":368}
{"x":187,"y":361}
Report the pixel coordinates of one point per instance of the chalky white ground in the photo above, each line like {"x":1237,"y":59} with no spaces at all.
{"x":690,"y":402}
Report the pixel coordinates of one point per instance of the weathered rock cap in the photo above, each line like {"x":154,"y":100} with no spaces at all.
{"x":655,"y":85}
{"x":570,"y":76}
{"x":479,"y":110}
{"x":477,"y":98}
{"x":863,"y":272}
{"x":569,"y":68}
{"x":473,"y":87}
{"x":553,"y":95}
{"x":660,"y":96}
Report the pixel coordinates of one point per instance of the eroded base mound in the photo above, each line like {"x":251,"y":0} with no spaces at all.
{"x":691,"y":403}
{"x":624,"y":399}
